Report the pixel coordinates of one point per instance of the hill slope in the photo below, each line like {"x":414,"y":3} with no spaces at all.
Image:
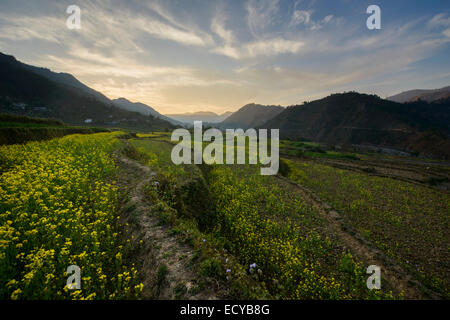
{"x":31,"y":91}
{"x":353,"y":118}
{"x":67,"y":80}
{"x":16,"y":129}
{"x":251,"y":116}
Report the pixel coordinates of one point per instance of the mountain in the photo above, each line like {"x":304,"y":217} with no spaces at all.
{"x":123,"y":103}
{"x":420,"y":94}
{"x":39,"y":92}
{"x":144,"y":109}
{"x":204,"y":116}
{"x":353,"y":118}
{"x":66,"y":79}
{"x":251,"y":116}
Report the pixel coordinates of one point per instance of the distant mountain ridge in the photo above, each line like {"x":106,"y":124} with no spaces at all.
{"x":39,"y":92}
{"x":251,"y":116}
{"x":421,"y":94}
{"x":142,"y":108}
{"x":205,"y":116}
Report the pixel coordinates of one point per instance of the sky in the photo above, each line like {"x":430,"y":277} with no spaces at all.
{"x":205,"y":55}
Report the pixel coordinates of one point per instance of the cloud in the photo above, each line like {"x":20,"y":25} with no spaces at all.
{"x":18,"y":28}
{"x":218,"y":27}
{"x":261,"y":47}
{"x":272,"y":47}
{"x":228,"y":51}
{"x":85,"y":63}
{"x":267,"y":48}
{"x":261,"y":15}
{"x":176,"y":28}
{"x":301,"y":17}
{"x":159,"y":8}
{"x":439,"y":20}
{"x":446,"y":33}
{"x":164,"y":31}
{"x":100,"y":25}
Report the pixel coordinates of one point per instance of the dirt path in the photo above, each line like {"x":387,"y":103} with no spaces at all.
{"x":398,"y":279}
{"x":164,"y":263}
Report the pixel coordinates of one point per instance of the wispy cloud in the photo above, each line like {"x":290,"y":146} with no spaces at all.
{"x":269,"y":47}
{"x":218,"y":27}
{"x":303,"y":18}
{"x":439,"y":20}
{"x":164,"y":31}
{"x":18,"y":28}
{"x":261,"y":15}
{"x":272,"y":46}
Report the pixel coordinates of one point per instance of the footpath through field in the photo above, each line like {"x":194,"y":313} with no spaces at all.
{"x":164,"y":262}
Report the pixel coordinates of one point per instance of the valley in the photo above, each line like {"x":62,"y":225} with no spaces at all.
{"x":92,"y":182}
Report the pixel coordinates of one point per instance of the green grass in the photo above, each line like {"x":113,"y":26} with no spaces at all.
{"x":154,"y":135}
{"x":241,"y":218}
{"x":408,"y":222}
{"x":157,"y":154}
{"x":268,"y":224}
{"x":161,"y":274}
{"x":19,"y":120}
{"x":312,"y":150}
{"x":332,"y":155}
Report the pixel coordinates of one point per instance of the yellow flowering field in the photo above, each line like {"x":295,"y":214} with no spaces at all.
{"x":275,"y":234}
{"x":278,"y":232}
{"x":58,"y":207}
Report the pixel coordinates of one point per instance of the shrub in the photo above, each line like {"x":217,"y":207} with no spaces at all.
{"x":211,"y":268}
{"x":284,"y":168}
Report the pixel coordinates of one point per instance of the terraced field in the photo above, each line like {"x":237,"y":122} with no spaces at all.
{"x":58,"y":206}
{"x":403,"y":223}
{"x":261,"y":222}
{"x":141,"y":227}
{"x":407,"y":221}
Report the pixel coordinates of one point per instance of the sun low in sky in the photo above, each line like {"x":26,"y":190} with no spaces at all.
{"x":206,"y":55}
